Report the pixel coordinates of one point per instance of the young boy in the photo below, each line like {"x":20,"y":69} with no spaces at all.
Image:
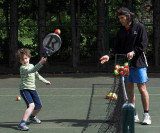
{"x":28,"y":73}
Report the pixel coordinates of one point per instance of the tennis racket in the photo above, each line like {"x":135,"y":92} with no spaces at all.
{"x":51,"y":44}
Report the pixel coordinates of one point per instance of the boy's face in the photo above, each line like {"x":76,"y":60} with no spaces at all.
{"x":25,"y":60}
{"x":123,"y":20}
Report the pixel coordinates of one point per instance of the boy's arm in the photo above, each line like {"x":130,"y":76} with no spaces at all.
{"x":31,"y":69}
{"x":39,"y":77}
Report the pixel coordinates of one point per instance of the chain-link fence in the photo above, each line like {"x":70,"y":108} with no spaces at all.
{"x":59,"y":15}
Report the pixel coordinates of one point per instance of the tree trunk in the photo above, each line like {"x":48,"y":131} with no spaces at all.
{"x":6,"y":10}
{"x":41,"y":25}
{"x":156,"y":31}
{"x":13,"y":45}
{"x":129,"y":4}
{"x":101,"y":39}
{"x":75,"y":14}
{"x":5,"y":48}
{"x":77,"y":47}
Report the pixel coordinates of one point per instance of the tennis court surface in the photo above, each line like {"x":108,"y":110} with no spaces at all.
{"x":71,"y":104}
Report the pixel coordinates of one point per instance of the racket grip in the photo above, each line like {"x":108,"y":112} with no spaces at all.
{"x":45,"y":55}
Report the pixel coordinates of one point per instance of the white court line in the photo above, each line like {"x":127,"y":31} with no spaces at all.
{"x":80,"y":88}
{"x":89,"y":88}
{"x":57,"y":88}
{"x":57,"y":127}
{"x":81,"y":127}
{"x":56,"y":95}
{"x":151,"y":94}
{"x":147,"y":126}
{"x":62,"y":127}
{"x":72,"y":95}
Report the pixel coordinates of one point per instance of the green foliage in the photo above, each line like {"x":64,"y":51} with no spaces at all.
{"x":58,"y":15}
{"x":150,"y":51}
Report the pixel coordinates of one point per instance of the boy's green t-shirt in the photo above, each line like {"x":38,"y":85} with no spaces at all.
{"x":28,"y":75}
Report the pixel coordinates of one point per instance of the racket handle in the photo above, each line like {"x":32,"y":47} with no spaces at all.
{"x":45,"y":55}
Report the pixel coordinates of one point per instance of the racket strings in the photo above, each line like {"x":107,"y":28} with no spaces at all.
{"x":51,"y":43}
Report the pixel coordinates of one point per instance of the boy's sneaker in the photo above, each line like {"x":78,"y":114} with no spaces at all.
{"x":35,"y":120}
{"x":146,"y":119}
{"x":136,"y":119}
{"x":23,"y":127}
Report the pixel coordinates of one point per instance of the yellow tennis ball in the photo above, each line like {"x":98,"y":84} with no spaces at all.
{"x":115,"y":95}
{"x":110,"y":94}
{"x":18,"y":98}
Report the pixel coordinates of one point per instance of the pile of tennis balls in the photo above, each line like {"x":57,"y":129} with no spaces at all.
{"x":112,"y":96}
{"x":121,"y":70}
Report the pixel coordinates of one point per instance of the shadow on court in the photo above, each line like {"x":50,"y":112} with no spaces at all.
{"x":10,"y":125}
{"x":75,"y":122}
{"x":72,"y":122}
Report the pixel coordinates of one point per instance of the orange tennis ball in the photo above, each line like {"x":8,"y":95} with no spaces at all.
{"x":121,"y":73}
{"x":57,"y":31}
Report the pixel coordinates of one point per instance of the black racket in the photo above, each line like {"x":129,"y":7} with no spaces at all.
{"x":51,"y":44}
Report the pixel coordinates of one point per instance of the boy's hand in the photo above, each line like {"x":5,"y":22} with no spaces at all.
{"x":48,"y":83}
{"x":43,"y":60}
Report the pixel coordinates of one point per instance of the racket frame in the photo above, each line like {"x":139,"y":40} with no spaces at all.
{"x":47,"y":50}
